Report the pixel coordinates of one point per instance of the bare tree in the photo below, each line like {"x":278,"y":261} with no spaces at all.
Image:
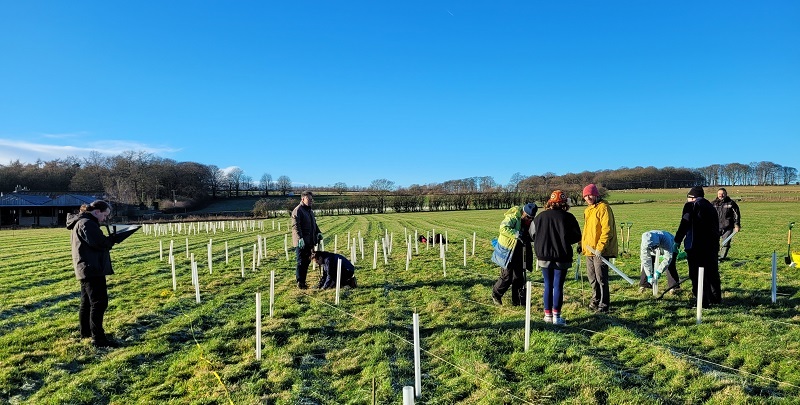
{"x":284,"y":184}
{"x":487,"y":183}
{"x":381,"y":187}
{"x":234,"y":180}
{"x":789,"y":175}
{"x":246,"y":184}
{"x":266,"y":182}
{"x":513,"y":183}
{"x":340,"y":188}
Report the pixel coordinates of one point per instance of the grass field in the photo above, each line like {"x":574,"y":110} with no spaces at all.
{"x":314,"y":352}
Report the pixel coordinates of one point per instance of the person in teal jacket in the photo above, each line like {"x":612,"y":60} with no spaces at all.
{"x":513,"y":253}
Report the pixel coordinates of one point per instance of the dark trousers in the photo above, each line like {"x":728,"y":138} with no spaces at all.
{"x":513,"y":277}
{"x":598,"y":280}
{"x":94,"y":301}
{"x":553,"y":289}
{"x":723,"y":250}
{"x":712,"y":288}
{"x":672,"y":274}
{"x":303,"y":260}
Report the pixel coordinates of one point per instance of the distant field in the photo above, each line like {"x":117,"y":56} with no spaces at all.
{"x":789,"y":193}
{"x":746,"y":193}
{"x":646,"y":351}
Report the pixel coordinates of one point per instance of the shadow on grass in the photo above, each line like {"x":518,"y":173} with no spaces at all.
{"x":34,"y":306}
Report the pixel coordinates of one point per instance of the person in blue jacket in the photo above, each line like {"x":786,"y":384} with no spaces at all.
{"x":663,"y":243}
{"x":328,"y":263}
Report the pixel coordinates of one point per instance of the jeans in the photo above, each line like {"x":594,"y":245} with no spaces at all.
{"x":553,"y":288}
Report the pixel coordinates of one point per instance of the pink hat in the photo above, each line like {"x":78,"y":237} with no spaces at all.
{"x":591,"y":189}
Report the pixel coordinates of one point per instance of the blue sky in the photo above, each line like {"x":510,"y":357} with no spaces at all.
{"x":415,"y":92}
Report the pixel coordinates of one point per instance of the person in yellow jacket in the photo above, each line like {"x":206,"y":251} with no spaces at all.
{"x":599,"y":233}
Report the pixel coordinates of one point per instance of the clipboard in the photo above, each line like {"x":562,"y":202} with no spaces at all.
{"x":121,"y":232}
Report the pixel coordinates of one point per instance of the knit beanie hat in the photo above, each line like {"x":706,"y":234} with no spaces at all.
{"x":591,"y":189}
{"x":557,"y":197}
{"x":530,"y":209}
{"x":696,"y":191}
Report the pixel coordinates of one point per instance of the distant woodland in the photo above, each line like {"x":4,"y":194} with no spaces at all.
{"x":142,"y":178}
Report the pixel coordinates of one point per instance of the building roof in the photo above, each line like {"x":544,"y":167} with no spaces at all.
{"x":70,"y":200}
{"x":23,"y":200}
{"x":34,"y":200}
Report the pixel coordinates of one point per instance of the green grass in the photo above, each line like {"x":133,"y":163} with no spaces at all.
{"x":314,"y":352}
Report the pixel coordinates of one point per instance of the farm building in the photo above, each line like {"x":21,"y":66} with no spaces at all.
{"x":20,"y":209}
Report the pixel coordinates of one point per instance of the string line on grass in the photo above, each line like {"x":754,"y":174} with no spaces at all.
{"x":432,"y":355}
{"x":680,"y":353}
{"x":720,"y":366}
{"x":219,"y":379}
{"x":616,"y":294}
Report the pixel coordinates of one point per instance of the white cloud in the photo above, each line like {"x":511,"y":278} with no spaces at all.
{"x":29,"y":152}
{"x":227,"y":170}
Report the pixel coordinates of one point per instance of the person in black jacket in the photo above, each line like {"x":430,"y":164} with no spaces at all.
{"x":305,"y":236}
{"x":91,"y":259}
{"x":699,"y":233}
{"x":328,"y":263}
{"x":730,"y":219}
{"x":556,"y":231}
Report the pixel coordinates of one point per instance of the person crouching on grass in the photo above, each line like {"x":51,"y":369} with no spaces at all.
{"x":328,"y":263}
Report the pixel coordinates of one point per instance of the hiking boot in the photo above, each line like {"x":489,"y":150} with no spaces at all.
{"x":558,"y":320}
{"x":302,"y":286}
{"x":548,"y":319}
{"x":497,"y":300}
{"x":105,"y":343}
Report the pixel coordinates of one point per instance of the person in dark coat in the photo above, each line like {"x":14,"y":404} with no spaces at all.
{"x":305,"y":236}
{"x":328,"y":263}
{"x":699,"y":233}
{"x":556,"y":231}
{"x":730,"y":219}
{"x":91,"y":259}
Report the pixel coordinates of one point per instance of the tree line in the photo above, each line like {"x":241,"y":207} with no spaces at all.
{"x":136,"y":177}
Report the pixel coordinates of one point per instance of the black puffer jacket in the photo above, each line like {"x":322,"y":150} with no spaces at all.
{"x":91,"y":249}
{"x":556,"y":232}
{"x":728,"y":214}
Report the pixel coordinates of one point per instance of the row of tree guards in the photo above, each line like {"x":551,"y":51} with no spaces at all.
{"x":354,"y":245}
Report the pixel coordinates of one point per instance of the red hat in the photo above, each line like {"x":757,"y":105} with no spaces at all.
{"x":591,"y":189}
{"x":557,"y":197}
